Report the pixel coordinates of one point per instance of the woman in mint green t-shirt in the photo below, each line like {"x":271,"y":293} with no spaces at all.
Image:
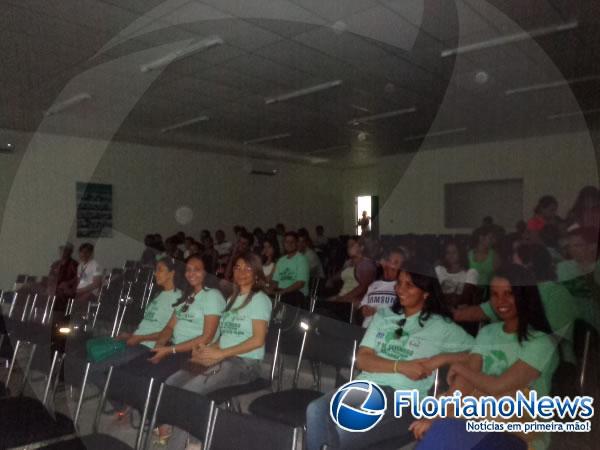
{"x":235,"y":358}
{"x":401,"y":348}
{"x":517,"y":353}
{"x":482,"y":257}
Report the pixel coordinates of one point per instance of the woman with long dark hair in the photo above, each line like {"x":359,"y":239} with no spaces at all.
{"x":457,"y":280}
{"x":482,"y":257}
{"x":401,"y":348}
{"x":235,"y":357}
{"x":516,"y":353}
{"x":270,"y":255}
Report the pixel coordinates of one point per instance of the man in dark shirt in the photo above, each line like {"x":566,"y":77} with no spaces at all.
{"x":62,"y":279}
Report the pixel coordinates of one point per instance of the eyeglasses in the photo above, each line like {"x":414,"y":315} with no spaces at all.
{"x":238,"y":268}
{"x":400,"y":330}
{"x":188,"y":302}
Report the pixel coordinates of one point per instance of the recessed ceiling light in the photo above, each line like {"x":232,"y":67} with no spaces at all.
{"x":385,"y":115}
{"x":574,"y":114}
{"x":267,"y":138}
{"x":503,"y":40}
{"x":303,"y":92}
{"x":551,"y":84}
{"x":69,"y":103}
{"x":186,"y":123}
{"x":435,"y":134}
{"x":194,"y":47}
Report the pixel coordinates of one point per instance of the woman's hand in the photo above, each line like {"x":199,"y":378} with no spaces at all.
{"x":367,"y":311}
{"x":123,"y":336}
{"x":455,"y":369}
{"x":132,"y":341}
{"x":420,"y":427}
{"x":208,"y":356}
{"x":160,"y":353}
{"x":415,"y":370}
{"x":434,"y":362}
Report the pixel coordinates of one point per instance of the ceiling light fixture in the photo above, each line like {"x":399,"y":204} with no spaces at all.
{"x":303,"y":92}
{"x":73,"y":101}
{"x":574,"y":113}
{"x":552,"y":84}
{"x":503,"y":40}
{"x":267,"y":138}
{"x":328,"y":149}
{"x":384,"y":115}
{"x":435,"y":134}
{"x":194,"y":47}
{"x":360,"y":108}
{"x":186,"y":123}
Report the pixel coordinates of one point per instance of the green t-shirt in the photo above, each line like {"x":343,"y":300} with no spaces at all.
{"x":157,"y":314}
{"x":236,"y":324}
{"x":190,"y":324}
{"x":485,"y":268}
{"x":437,"y":335}
{"x":290,"y":270}
{"x":561,"y":311}
{"x":501,"y":350}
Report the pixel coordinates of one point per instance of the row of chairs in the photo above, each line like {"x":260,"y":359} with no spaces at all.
{"x":35,"y":422}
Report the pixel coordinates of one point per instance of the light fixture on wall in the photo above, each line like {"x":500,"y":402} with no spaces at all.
{"x":380,"y":116}
{"x":303,"y":92}
{"x":551,"y":84}
{"x":274,"y":137}
{"x":435,"y":134}
{"x":194,"y":47}
{"x":574,"y":114}
{"x":69,"y":103}
{"x":184,"y":124}
{"x":503,"y":40}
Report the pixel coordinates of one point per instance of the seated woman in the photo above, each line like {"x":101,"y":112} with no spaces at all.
{"x":483,"y":257}
{"x":194,"y":322}
{"x":517,"y":353}
{"x":235,"y":358}
{"x":401,"y":347}
{"x":560,"y":307}
{"x":458,"y":281}
{"x":381,"y":293}
{"x":156,"y":316}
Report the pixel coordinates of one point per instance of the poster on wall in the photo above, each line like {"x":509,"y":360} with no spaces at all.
{"x":94,"y":210}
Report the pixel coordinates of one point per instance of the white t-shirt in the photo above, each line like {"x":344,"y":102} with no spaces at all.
{"x":454,"y":283}
{"x":224,"y":248}
{"x":87,"y":272}
{"x":268,"y":269}
{"x":380,"y":294}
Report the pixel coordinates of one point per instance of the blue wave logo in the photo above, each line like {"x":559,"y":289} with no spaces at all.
{"x":358,"y":406}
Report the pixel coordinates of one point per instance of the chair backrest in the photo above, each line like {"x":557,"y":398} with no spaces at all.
{"x":586,"y":344}
{"x":185,"y":410}
{"x":332,"y":342}
{"x":133,"y":390}
{"x":232,"y":430}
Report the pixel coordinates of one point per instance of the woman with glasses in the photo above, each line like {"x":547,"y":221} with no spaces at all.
{"x":401,"y":348}
{"x":235,"y":358}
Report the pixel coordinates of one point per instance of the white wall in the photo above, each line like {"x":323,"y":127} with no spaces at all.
{"x":37,"y":196}
{"x":411,"y":186}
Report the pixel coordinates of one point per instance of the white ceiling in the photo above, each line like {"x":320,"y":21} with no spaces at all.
{"x":387,"y":53}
